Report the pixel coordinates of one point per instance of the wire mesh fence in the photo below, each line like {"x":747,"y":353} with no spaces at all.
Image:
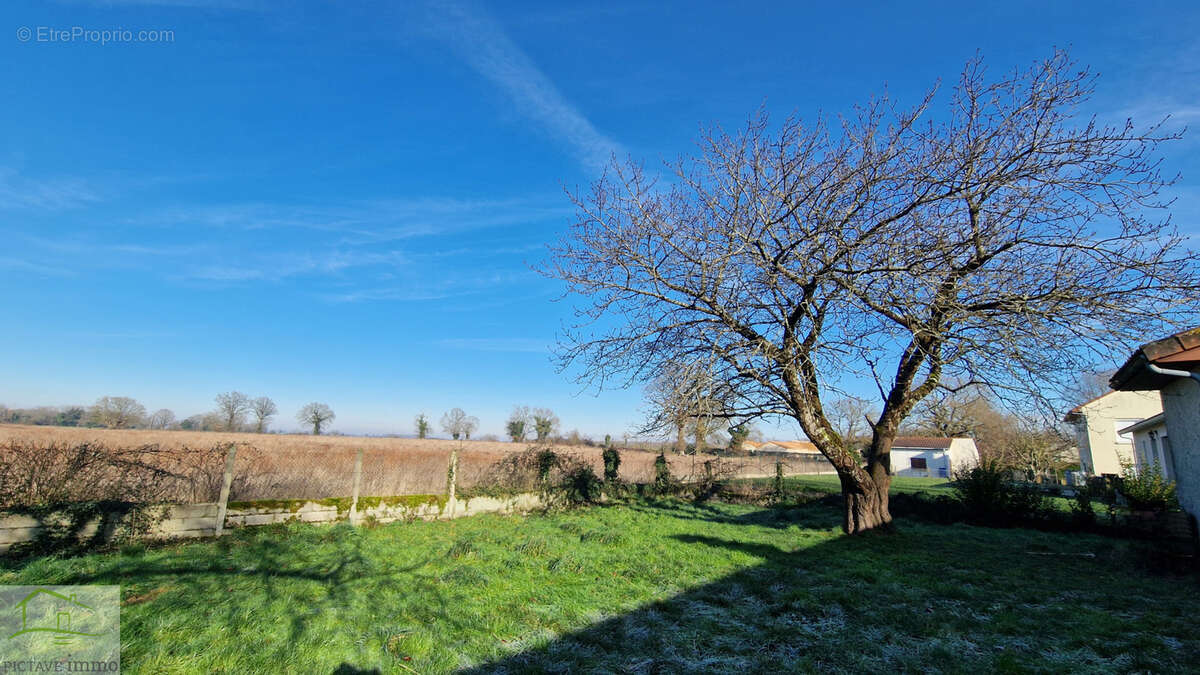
{"x":63,"y":470}
{"x":59,"y":473}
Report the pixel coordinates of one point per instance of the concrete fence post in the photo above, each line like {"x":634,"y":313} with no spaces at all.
{"x":358,"y":457}
{"x":226,"y":483}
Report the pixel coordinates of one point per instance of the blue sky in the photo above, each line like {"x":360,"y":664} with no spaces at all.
{"x":342,"y":203}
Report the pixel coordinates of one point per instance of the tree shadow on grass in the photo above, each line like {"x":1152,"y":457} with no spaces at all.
{"x":260,"y":578}
{"x":873,"y":603}
{"x":736,"y":623}
{"x":780,"y":517}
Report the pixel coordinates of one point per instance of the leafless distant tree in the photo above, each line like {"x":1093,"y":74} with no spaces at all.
{"x":162,"y":419}
{"x":682,"y":398}
{"x":968,"y":411}
{"x":1002,"y":242}
{"x":1089,"y":385}
{"x":264,"y":409}
{"x":851,"y":417}
{"x":458,"y":424}
{"x":471,"y":426}
{"x":117,"y":412}
{"x":316,"y":415}
{"x":232,"y":407}
{"x":1035,"y":450}
{"x":669,"y":399}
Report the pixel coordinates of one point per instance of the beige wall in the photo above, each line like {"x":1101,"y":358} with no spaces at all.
{"x":1181,"y":403}
{"x":1099,"y":449}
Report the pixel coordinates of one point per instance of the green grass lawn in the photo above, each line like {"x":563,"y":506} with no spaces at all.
{"x":900,"y":484}
{"x":648,"y":587}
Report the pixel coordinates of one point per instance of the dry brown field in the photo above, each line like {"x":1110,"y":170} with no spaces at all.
{"x":290,"y":466}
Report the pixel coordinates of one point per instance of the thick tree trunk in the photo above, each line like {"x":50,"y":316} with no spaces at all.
{"x":866,"y":504}
{"x":680,"y":439}
{"x":864,"y":489}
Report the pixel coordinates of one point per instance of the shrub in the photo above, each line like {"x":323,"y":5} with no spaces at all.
{"x":519,"y":472}
{"x":662,"y":475}
{"x":546,"y":460}
{"x":580,"y":485}
{"x":737,"y":436}
{"x":612,"y":464}
{"x":1082,"y":511}
{"x":990,"y":496}
{"x":557,"y":477}
{"x":1148,"y":490}
{"x":777,"y":489}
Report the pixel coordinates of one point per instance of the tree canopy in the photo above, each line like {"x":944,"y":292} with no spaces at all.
{"x":1002,"y":242}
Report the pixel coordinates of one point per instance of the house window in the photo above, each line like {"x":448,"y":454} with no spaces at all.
{"x":917,"y":463}
{"x":1118,"y":425}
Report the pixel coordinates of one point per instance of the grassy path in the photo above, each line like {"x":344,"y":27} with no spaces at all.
{"x":647,"y":587}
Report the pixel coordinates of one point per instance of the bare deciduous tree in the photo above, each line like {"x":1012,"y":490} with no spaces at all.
{"x":458,"y":424}
{"x":1002,"y":242}
{"x":684,"y":398}
{"x":317,"y":415}
{"x":117,"y":412}
{"x":161,"y":419}
{"x":264,"y":409}
{"x":957,"y":411}
{"x":851,"y":417}
{"x":1036,"y":451}
{"x":232,"y":407}
{"x":1091,"y":384}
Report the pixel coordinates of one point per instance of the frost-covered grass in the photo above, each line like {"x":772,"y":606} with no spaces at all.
{"x":646,"y":587}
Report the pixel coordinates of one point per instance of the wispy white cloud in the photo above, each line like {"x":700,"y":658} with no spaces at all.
{"x":18,"y":191}
{"x":372,"y":221}
{"x":422,"y":286}
{"x":392,"y":294}
{"x":197,"y":4}
{"x":390,"y":250}
{"x":1177,"y":114}
{"x":86,"y":246}
{"x":529,"y":345}
{"x":279,"y":266}
{"x":484,"y":45}
{"x":19,"y":265}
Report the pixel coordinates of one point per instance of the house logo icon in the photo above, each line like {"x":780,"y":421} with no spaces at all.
{"x":60,"y":617}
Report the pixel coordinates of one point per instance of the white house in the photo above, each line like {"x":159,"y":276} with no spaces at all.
{"x":932,"y":457}
{"x":1103,"y":448}
{"x":1151,"y":445}
{"x":1171,"y":367}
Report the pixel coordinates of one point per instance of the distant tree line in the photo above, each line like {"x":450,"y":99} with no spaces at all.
{"x":58,"y":416}
{"x":234,"y":411}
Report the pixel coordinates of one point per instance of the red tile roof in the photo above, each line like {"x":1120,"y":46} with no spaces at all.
{"x":1180,"y":351}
